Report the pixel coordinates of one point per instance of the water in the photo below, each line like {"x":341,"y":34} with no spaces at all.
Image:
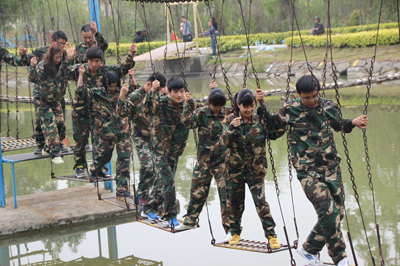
{"x":131,"y":240}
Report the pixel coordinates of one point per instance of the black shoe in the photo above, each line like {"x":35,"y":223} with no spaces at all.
{"x":38,"y":150}
{"x":64,"y":150}
{"x":93,"y":178}
{"x":123,"y":194}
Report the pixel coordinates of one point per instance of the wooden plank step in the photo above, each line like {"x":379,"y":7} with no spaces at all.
{"x":255,"y":246}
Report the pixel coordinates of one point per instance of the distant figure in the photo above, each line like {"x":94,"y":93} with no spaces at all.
{"x":318,"y":27}
{"x":186,"y":30}
{"x":215,"y":25}
{"x":141,"y":36}
{"x":213,"y":37}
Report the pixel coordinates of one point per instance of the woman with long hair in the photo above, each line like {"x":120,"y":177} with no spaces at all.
{"x":51,"y":75}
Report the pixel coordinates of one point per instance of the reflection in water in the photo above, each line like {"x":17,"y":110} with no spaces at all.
{"x":384,"y":150}
{"x":48,"y":253}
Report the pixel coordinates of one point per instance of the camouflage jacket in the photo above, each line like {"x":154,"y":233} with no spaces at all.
{"x":81,"y":48}
{"x":310,"y":145}
{"x":95,"y":81}
{"x":210,"y":128}
{"x":167,"y":127}
{"x":52,"y":88}
{"x":99,"y":106}
{"x":39,"y":52}
{"x":254,"y":134}
{"x":9,"y":58}
{"x":132,"y":107}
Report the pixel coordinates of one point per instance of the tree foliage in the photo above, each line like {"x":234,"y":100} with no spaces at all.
{"x":262,"y":16}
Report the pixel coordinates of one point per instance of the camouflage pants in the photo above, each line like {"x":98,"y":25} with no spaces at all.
{"x":323,"y":190}
{"x":38,"y":129}
{"x":39,"y":137}
{"x":235,"y":194}
{"x":51,"y":120}
{"x":146,"y":173}
{"x":163,"y":191}
{"x":80,"y":130}
{"x":199,"y":190}
{"x":103,"y":155}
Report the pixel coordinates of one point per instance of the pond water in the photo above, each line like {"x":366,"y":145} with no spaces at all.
{"x":107,"y":241}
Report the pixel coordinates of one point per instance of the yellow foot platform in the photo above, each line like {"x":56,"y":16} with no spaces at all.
{"x":255,"y":246}
{"x":160,"y":224}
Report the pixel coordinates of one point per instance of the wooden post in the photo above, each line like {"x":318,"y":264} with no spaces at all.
{"x":196,"y":33}
{"x":202,"y":31}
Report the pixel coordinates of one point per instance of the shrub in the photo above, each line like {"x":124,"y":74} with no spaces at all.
{"x":359,"y":39}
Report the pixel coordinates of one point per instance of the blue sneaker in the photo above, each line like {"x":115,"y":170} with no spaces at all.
{"x":80,"y":171}
{"x":174,"y":221}
{"x":153,"y":216}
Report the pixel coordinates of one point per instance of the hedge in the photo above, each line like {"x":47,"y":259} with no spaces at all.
{"x":124,"y":48}
{"x":360,"y":39}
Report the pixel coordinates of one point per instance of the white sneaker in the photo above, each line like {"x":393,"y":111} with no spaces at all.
{"x":227,"y":237}
{"x":144,"y":215}
{"x":344,"y":262}
{"x":57,"y":160}
{"x":313,"y":260}
{"x":45,"y":152}
{"x":183,"y":227}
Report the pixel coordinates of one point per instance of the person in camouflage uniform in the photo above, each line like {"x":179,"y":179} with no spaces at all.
{"x":59,"y":38}
{"x":91,"y":37}
{"x":51,"y":78}
{"x":247,"y":164}
{"x":132,"y":107}
{"x":93,"y":79}
{"x":9,"y":58}
{"x":316,"y":163}
{"x":169,"y":138}
{"x":109,"y":127}
{"x":208,"y":120}
{"x":80,"y":125}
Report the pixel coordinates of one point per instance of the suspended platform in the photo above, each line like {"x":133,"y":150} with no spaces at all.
{"x":255,"y":246}
{"x":158,"y":53}
{"x":11,"y":144}
{"x":160,"y":224}
{"x":129,"y":205}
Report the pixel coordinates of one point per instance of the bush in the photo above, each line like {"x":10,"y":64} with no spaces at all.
{"x":360,"y":39}
{"x":226,"y":43}
{"x":354,"y":18}
{"x":124,"y":48}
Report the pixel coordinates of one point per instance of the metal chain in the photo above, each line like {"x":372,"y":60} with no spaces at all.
{"x":330,"y":133}
{"x":289,"y":135}
{"x":29,"y":83}
{"x":43,"y":28}
{"x":365,"y":140}
{"x":16,"y":79}
{"x":51,"y":16}
{"x":70,"y":21}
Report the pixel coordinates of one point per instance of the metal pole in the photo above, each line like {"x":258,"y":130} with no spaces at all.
{"x":5,"y":256}
{"x":94,"y":12}
{"x":2,"y":187}
{"x":112,"y":243}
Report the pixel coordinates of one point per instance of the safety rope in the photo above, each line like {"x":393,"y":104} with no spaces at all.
{"x":273,"y":169}
{"x":367,"y":159}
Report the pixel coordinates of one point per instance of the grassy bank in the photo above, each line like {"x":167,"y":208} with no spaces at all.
{"x":262,"y":58}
